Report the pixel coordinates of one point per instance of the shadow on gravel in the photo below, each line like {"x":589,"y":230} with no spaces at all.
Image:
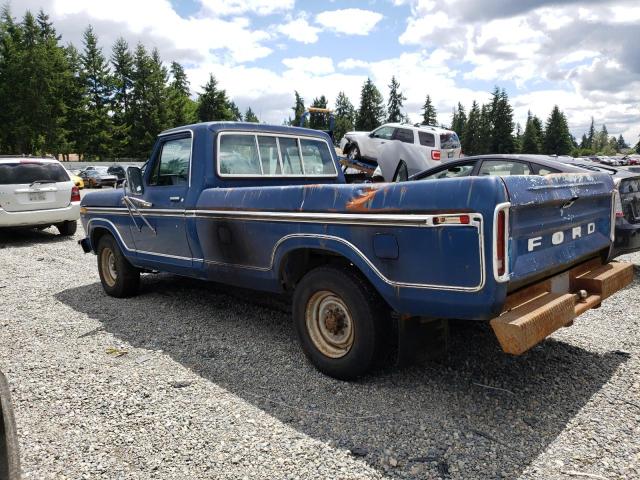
{"x":434,"y":419}
{"x":22,"y":237}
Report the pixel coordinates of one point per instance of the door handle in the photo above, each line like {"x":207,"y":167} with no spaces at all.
{"x":175,"y":199}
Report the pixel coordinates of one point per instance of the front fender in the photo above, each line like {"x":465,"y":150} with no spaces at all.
{"x":93,"y":224}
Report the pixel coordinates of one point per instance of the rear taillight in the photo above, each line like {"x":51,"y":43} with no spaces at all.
{"x":435,"y":154}
{"x":617,"y":205}
{"x":75,"y":194}
{"x":501,"y":242}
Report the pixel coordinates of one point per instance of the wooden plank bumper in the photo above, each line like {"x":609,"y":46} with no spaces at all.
{"x":534,"y":313}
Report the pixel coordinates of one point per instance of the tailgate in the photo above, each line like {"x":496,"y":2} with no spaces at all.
{"x":556,"y":221}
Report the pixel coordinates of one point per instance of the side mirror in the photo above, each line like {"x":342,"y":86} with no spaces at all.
{"x":372,"y":134}
{"x":402,"y":173}
{"x":135,"y":184}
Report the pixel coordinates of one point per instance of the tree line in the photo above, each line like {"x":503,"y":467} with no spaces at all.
{"x":57,"y":99}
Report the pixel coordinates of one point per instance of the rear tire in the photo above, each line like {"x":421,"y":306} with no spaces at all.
{"x":119,"y":278}
{"x":339,"y":319}
{"x":67,"y":228}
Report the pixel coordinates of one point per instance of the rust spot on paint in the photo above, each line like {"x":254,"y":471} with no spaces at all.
{"x":360,"y":204}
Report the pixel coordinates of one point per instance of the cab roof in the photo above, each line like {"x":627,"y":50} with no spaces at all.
{"x":246,"y":126}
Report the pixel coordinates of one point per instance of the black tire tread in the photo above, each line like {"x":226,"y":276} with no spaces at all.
{"x":128,"y":279}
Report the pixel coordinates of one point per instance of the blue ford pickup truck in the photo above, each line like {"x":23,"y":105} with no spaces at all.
{"x":268,"y":208}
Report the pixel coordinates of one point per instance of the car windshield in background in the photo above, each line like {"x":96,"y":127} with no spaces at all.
{"x":31,"y":171}
{"x":449,"y":140}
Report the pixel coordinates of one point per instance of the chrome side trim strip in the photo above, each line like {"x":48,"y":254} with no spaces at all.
{"x":476,"y":222}
{"x":144,"y":252}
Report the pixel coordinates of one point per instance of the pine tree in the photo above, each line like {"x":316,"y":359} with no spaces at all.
{"x":249,"y":116}
{"x":518,"y":138}
{"x":601,"y":140}
{"x":501,"y":115}
{"x":122,"y":63}
{"x":213,"y":104}
{"x":182,"y":110}
{"x":371,"y":112}
{"x":485,"y":135}
{"x":471,"y":136}
{"x":236,"y":115}
{"x":345,"y":117}
{"x":298,"y":110}
{"x":429,"y":113}
{"x":557,"y":139}
{"x":318,"y":121}
{"x":75,"y":102}
{"x":591,"y":136}
{"x":638,"y":145}
{"x":621,"y":143}
{"x":95,"y":136}
{"x":584,"y":143}
{"x":532,"y":137}
{"x":459,"y":121}
{"x":395,"y":103}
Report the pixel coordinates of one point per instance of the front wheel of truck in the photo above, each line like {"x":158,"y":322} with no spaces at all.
{"x":338,"y":317}
{"x":119,"y":278}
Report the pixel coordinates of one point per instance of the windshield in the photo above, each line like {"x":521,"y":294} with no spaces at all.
{"x":449,"y":140}
{"x":31,"y":171}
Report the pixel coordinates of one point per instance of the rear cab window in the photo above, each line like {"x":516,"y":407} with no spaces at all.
{"x":29,"y":171}
{"x":273,"y":155}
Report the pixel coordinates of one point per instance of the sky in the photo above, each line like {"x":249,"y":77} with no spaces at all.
{"x":579,"y":54}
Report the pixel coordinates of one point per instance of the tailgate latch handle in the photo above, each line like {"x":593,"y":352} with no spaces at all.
{"x":570,"y":203}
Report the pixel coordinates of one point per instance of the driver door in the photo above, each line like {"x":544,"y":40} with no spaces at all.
{"x":163,"y":201}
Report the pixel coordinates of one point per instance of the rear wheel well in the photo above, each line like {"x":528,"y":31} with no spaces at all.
{"x":297,"y":263}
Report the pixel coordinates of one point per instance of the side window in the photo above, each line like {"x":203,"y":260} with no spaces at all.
{"x":238,"y":155}
{"x":172,"y":167}
{"x":404,"y":135}
{"x":291,"y":161}
{"x":269,"y":155}
{"x":427,"y":139}
{"x":540,"y":170}
{"x":453,"y":172}
{"x":384,"y":133}
{"x":504,"y":168}
{"x":316,"y":158}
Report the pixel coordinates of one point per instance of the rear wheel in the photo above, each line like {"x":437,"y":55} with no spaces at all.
{"x":119,"y":278}
{"x":338,"y":318}
{"x":67,"y":228}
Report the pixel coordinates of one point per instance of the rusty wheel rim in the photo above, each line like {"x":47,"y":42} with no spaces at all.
{"x":329,"y":324}
{"x":108,"y":266}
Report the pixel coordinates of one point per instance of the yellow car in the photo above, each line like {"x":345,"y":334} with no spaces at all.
{"x":77,"y":181}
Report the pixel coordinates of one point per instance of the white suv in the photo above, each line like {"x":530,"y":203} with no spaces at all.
{"x":37,"y":192}
{"x":418,"y":147}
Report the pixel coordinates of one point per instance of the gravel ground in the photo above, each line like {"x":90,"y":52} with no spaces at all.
{"x":189,"y":380}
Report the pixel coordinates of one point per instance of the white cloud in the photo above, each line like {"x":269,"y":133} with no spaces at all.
{"x":236,"y":7}
{"x":310,"y":65}
{"x":300,"y":30}
{"x":349,"y":21}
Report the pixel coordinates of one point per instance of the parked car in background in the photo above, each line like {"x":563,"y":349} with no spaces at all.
{"x":627,"y":222}
{"x":94,"y":177}
{"x":419,"y":147}
{"x":119,"y":171}
{"x":38,"y":192}
{"x":76,"y":179}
